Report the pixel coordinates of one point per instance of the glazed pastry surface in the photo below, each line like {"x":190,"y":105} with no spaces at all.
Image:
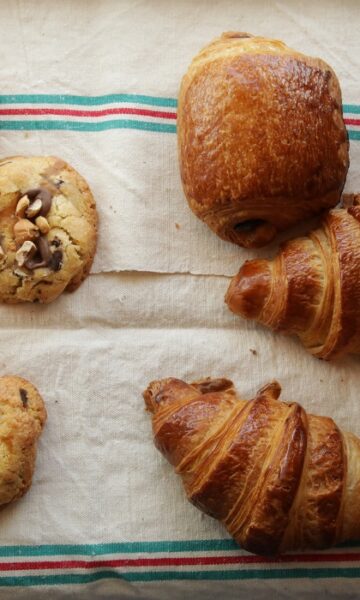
{"x":261,"y":138}
{"x":311,"y":288}
{"x":278,"y":478}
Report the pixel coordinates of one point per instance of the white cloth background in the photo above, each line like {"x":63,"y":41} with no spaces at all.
{"x":154,"y":305}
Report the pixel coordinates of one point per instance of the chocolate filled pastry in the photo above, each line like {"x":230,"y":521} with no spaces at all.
{"x":261,"y":137}
{"x":278,"y":478}
{"x":311,"y":288}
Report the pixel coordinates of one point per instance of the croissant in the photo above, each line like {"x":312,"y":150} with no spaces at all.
{"x":261,"y":138}
{"x":311,"y":288}
{"x":279,"y":479}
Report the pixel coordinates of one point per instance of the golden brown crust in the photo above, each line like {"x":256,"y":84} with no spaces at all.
{"x":261,"y":138}
{"x":71,"y":221}
{"x":278,"y":478}
{"x":23,"y":416}
{"x":311,"y":288}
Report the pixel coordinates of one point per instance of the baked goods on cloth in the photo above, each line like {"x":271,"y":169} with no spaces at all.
{"x":277,"y":477}
{"x":48,"y":229}
{"x":311,"y":288}
{"x":261,"y":137}
{"x":23,"y":417}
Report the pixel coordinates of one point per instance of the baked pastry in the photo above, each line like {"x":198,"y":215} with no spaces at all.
{"x":311,"y":288}
{"x":48,"y":229}
{"x":279,"y":479}
{"x":23,"y":416}
{"x":261,"y":137}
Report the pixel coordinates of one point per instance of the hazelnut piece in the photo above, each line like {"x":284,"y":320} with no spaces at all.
{"x":26,"y":251}
{"x":25,"y":230}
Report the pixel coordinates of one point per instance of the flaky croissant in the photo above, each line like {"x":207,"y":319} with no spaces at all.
{"x":261,"y":138}
{"x":311,"y":288}
{"x":279,"y":479}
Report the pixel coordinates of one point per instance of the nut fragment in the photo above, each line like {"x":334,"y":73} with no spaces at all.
{"x":43,"y":224}
{"x":25,"y":230}
{"x":2,"y":253}
{"x":21,"y":273}
{"x":21,"y":206}
{"x":42,"y":194}
{"x":34,"y":208}
{"x":26,"y":251}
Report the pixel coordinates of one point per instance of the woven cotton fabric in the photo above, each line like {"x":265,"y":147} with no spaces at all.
{"x":96,"y":84}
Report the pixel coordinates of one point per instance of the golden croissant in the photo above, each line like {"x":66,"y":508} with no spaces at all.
{"x":261,"y":137}
{"x":311,"y":288}
{"x":279,"y":479}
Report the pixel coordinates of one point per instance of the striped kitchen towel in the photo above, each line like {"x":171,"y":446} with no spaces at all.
{"x":96,"y":83}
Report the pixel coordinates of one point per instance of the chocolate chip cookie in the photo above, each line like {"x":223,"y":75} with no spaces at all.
{"x":23,"y":416}
{"x":48,"y":229}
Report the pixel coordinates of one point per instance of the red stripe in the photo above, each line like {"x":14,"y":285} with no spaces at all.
{"x":181,"y":561}
{"x":352,"y":121}
{"x":70,"y":112}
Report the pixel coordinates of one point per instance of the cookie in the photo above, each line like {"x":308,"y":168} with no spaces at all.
{"x":23,"y":416}
{"x":48,"y":229}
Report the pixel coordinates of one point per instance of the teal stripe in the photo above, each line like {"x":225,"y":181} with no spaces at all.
{"x":351,"y":108}
{"x":109,"y":99}
{"x":119,"y":548}
{"x":354,"y":135}
{"x":86,"y":100}
{"x":214,"y":545}
{"x":147,"y":576}
{"x":102,"y":126}
{"x":87,"y":126}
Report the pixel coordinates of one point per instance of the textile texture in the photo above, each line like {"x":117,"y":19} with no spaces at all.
{"x":96,"y":84}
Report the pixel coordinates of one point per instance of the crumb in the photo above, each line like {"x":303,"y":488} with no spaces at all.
{"x":254,"y":352}
{"x":56,"y":401}
{"x":321,"y":381}
{"x":177,"y":225}
{"x":26,"y":134}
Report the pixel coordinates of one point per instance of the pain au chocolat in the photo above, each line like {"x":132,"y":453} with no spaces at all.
{"x":261,"y":137}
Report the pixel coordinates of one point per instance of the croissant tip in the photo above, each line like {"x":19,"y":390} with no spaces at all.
{"x":152,"y":394}
{"x":271,"y":390}
{"x":249,"y":289}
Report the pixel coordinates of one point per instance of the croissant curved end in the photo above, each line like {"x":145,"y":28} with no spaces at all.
{"x":249,"y":289}
{"x":171,"y":389}
{"x":271,"y":390}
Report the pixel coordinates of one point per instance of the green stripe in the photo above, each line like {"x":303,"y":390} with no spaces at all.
{"x":354,"y":135}
{"x":147,"y":576}
{"x":87,"y":126}
{"x":103,"y":126}
{"x":109,"y":99}
{"x":214,"y":545}
{"x":119,"y":548}
{"x":351,"y":108}
{"x":86,"y":100}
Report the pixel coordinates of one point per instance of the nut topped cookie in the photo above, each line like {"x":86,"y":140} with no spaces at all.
{"x":23,"y":416}
{"x":48,"y":229}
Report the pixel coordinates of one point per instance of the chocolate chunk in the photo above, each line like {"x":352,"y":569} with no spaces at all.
{"x":56,"y":261}
{"x":24,"y":397}
{"x":32,"y":194}
{"x":44,"y":257}
{"x":46,"y":199}
{"x":42,"y":194}
{"x":44,"y":249}
{"x":247,"y":226}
